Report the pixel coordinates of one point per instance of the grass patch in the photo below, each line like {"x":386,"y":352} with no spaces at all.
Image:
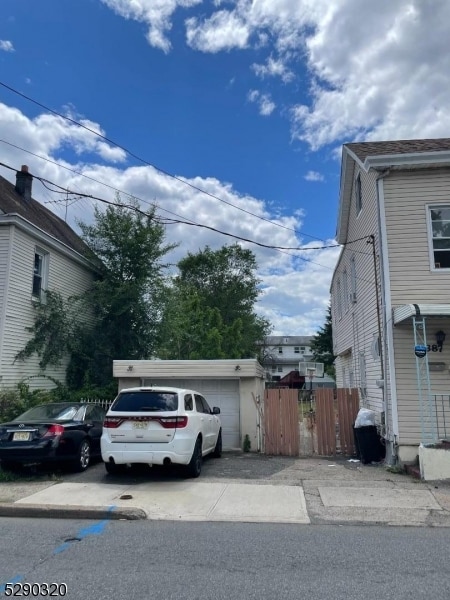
{"x":27,"y":475}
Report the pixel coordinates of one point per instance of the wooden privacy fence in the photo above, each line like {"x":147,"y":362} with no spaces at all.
{"x":281,"y":435}
{"x":327,"y":428}
{"x":335,"y":413}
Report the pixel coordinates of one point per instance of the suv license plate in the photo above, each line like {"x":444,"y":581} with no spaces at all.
{"x":21,"y":436}
{"x":139,"y":425}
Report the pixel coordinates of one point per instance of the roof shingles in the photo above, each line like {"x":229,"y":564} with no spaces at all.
{"x":365,"y":149}
{"x":36,"y":213}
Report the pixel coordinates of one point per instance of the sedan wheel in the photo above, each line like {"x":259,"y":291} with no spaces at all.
{"x":83,"y":457}
{"x":194,"y":468}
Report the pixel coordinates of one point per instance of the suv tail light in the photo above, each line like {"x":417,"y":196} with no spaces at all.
{"x":56,"y":430}
{"x":113,"y":422}
{"x":173,"y":422}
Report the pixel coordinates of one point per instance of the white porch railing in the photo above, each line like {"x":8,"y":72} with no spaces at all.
{"x":442,"y":415}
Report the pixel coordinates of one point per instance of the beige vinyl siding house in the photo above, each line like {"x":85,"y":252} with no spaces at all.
{"x":38,"y":251}
{"x":405,"y":198}
{"x":354,"y":309}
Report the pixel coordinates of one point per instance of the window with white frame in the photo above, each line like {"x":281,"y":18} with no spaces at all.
{"x":345,"y":289}
{"x":339,"y":298}
{"x":353,"y":278}
{"x":280,"y":350}
{"x":351,"y":379}
{"x":40,"y":273}
{"x":439,"y":220}
{"x":362,"y":375}
{"x":358,"y":194}
{"x":280,"y":369}
{"x":296,"y":350}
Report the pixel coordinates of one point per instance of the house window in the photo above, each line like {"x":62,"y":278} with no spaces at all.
{"x":353,"y":278}
{"x":339,"y":299}
{"x":345,"y":289}
{"x":296,"y":350}
{"x":440,"y":236}
{"x":358,"y":194}
{"x":302,"y":349}
{"x":40,"y":273}
{"x":280,"y":350}
{"x":280,"y":369}
{"x":362,"y":375}
{"x":274,"y":368}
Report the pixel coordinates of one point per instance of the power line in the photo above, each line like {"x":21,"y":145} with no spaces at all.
{"x":182,"y":220}
{"x":145,"y":162}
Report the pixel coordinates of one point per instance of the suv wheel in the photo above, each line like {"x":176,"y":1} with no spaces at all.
{"x":195,"y":466}
{"x":113,"y":469}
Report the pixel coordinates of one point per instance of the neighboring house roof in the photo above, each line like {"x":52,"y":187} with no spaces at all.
{"x":365,"y":149}
{"x":384,"y":156}
{"x":12,"y":203}
{"x":293,"y":340}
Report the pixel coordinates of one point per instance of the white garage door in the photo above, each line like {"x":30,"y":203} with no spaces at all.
{"x":223,"y":393}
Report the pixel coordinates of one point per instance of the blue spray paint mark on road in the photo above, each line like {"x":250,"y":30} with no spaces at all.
{"x":95,"y":529}
{"x":13,"y":580}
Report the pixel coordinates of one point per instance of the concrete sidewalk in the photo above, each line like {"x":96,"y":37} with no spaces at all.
{"x":240,"y":487}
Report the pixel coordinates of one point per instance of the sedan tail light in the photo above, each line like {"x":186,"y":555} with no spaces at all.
{"x":173,"y":422}
{"x":54,"y":430}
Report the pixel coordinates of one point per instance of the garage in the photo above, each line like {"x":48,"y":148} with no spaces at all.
{"x":223,"y":393}
{"x":235,"y":386}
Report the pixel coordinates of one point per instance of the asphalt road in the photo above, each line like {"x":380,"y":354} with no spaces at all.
{"x":187,"y":561}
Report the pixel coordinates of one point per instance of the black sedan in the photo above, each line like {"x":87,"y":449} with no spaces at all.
{"x":62,"y":431}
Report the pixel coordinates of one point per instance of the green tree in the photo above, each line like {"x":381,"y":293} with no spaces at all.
{"x":127,"y":299}
{"x":322,"y":346}
{"x":211,"y":313}
{"x":120,"y":316}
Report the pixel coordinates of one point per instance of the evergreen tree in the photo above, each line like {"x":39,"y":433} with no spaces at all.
{"x":322,"y":346}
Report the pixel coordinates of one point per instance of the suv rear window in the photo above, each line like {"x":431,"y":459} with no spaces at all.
{"x":146,"y":401}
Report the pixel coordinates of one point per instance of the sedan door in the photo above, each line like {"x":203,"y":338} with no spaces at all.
{"x":94,"y":417}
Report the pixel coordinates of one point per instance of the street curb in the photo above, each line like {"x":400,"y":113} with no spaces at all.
{"x":72,"y":512}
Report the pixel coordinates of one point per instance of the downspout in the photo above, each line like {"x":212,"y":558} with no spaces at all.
{"x":391,"y":428}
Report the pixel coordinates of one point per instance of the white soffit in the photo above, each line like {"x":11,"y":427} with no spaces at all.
{"x":406,"y":311}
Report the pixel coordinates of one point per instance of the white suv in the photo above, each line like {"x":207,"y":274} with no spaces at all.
{"x":160,"y":426}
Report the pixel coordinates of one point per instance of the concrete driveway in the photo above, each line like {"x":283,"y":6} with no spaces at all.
{"x":239,"y":487}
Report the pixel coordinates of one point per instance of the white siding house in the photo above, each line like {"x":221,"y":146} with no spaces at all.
{"x":38,"y":251}
{"x":391,"y":287}
{"x":282,"y":354}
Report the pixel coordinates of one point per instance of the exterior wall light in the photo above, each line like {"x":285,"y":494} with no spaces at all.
{"x":440,"y":339}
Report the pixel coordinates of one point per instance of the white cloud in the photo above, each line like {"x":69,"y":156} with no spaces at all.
{"x":6,"y":45}
{"x":156,"y":14}
{"x":363,"y":84}
{"x":273,"y":68}
{"x":314,"y":176}
{"x":265,"y":103}
{"x":370,"y":87}
{"x":223,"y":31}
{"x":295,"y":292}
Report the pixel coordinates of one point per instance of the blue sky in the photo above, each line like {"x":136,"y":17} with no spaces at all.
{"x":249,"y":100}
